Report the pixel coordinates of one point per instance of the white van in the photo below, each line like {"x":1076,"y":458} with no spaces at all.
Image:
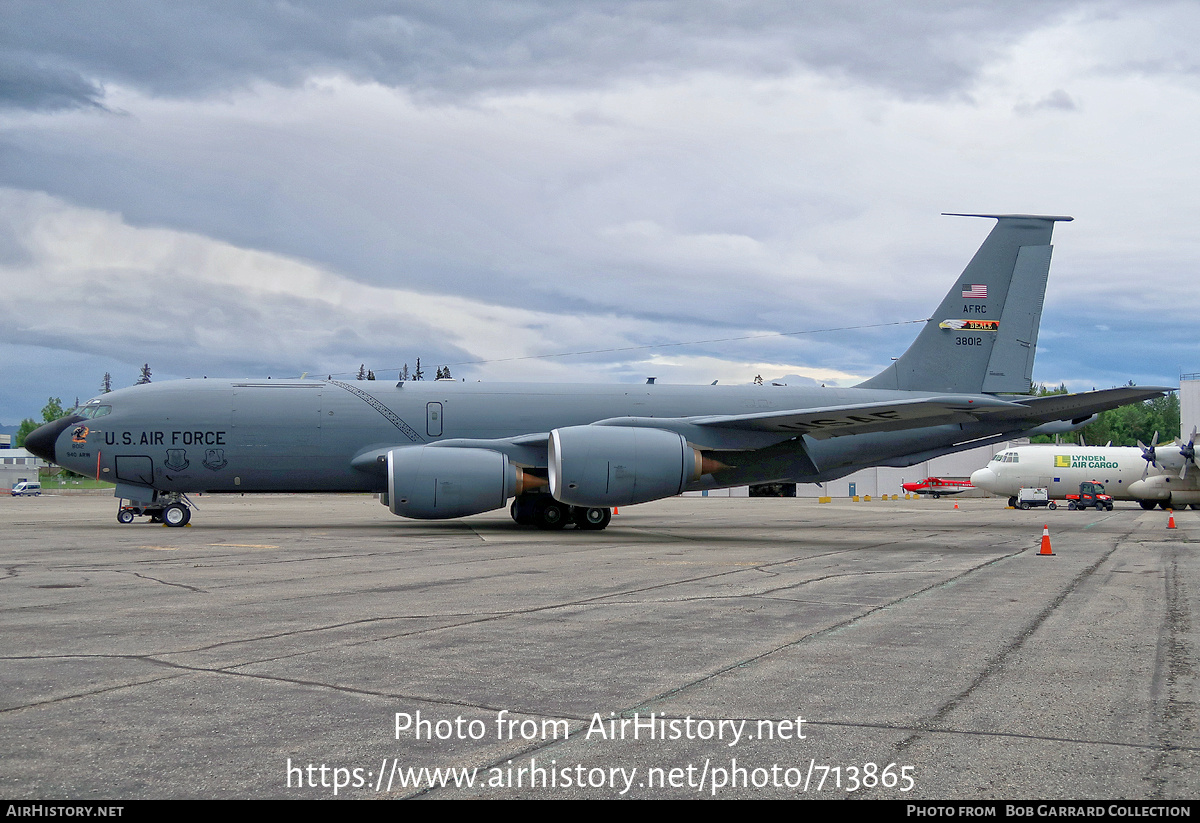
{"x":27,"y":487}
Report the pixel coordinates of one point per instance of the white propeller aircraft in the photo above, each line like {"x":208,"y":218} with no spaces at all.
{"x":1152,"y":475}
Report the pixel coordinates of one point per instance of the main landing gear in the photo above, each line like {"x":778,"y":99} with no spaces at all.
{"x":169,"y":509}
{"x":546,"y":513}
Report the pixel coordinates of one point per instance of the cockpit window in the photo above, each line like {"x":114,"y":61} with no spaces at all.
{"x":92,"y":412}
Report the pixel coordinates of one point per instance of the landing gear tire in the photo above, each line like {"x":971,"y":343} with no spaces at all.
{"x":125,"y":516}
{"x":1194,"y":506}
{"x":1012,"y":501}
{"x":517,"y":511}
{"x":176,"y":515}
{"x":1147,"y":504}
{"x":551,"y":516}
{"x":1166,"y":504}
{"x":590,"y":519}
{"x":525,"y":508}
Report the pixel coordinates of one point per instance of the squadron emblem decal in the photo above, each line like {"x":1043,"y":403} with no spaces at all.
{"x":215,"y":459}
{"x":79,"y":435}
{"x":970,"y":325}
{"x":176,"y":460}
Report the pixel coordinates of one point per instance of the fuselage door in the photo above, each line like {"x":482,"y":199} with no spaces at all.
{"x":135,"y":468}
{"x":433,"y":419}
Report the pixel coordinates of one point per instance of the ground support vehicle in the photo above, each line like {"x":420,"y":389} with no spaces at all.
{"x":170,"y":512}
{"x":1091,"y":493}
{"x":1030,"y":498}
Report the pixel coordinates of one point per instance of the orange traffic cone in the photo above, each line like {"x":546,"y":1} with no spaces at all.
{"x":615,"y":510}
{"x":1171,"y":521}
{"x":956,"y":505}
{"x":1046,"y":550}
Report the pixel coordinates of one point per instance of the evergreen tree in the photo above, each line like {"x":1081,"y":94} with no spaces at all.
{"x":362,"y":372}
{"x":106,"y":384}
{"x":417,"y":373}
{"x":404,"y":372}
{"x":145,"y":378}
{"x":370,"y":374}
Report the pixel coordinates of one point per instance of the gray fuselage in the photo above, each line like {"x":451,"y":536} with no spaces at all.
{"x":280,"y":436}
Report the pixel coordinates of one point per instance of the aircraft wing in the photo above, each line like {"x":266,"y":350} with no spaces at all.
{"x":1082,"y":405}
{"x":860,"y":418}
{"x":761,"y":429}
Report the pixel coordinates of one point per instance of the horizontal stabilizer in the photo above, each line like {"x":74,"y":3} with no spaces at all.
{"x":1084,"y":404}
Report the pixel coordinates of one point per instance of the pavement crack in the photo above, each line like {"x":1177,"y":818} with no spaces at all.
{"x":836,"y":627}
{"x":997,"y":660}
{"x":166,"y":582}
{"x":1175,"y":669}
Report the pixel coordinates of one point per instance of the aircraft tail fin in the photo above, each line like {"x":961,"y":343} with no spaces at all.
{"x":983,"y":336}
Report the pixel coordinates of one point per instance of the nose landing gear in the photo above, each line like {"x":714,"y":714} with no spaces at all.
{"x":170,"y":509}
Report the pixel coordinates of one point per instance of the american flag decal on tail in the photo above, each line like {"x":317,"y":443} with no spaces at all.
{"x":975,"y":291}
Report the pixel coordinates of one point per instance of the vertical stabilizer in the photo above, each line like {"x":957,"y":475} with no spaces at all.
{"x":983,"y":336}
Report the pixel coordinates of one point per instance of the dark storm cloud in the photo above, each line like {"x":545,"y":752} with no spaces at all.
{"x":27,"y":85}
{"x":58,"y":55}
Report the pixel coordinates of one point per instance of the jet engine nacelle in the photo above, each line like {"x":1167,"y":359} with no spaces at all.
{"x":432,"y":483}
{"x":619,"y":465}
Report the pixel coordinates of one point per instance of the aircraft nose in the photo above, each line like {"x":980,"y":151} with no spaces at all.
{"x":983,"y":479}
{"x":41,"y":441}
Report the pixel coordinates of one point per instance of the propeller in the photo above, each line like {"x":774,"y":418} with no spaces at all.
{"x":1188,"y":452}
{"x":1148,"y":454}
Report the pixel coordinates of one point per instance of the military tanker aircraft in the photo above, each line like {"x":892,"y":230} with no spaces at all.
{"x":569,"y":453}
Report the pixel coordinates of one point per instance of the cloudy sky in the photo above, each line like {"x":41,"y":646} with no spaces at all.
{"x":272,"y":188}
